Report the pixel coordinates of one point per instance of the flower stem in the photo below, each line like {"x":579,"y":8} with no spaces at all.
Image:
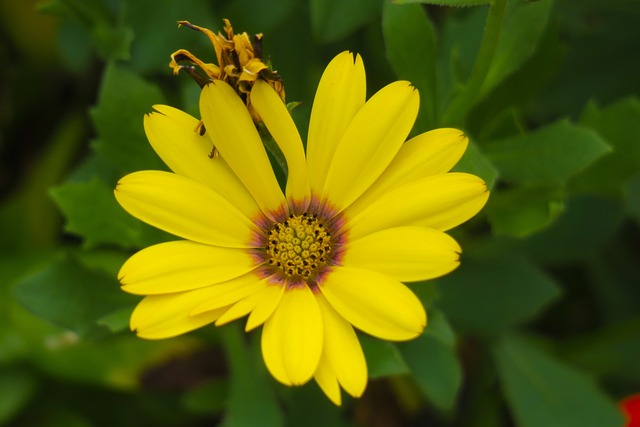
{"x":276,"y":156}
{"x":455,"y":113}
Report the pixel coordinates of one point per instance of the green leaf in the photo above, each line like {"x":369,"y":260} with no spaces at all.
{"x":489,"y":296}
{"x":518,"y":94}
{"x":114,"y":43}
{"x":16,"y":388}
{"x":251,"y":401}
{"x":427,"y":292}
{"x":611,"y":351}
{"x":613,"y":275}
{"x":439,"y":328}
{"x":450,"y":3}
{"x":208,"y":398}
{"x":618,"y":125}
{"x":123,"y":101}
{"x":309,"y":407}
{"x":383,"y":358}
{"x":95,"y":165}
{"x":70,"y":295}
{"x":586,"y":223}
{"x":157,"y":35}
{"x":116,"y":321}
{"x":118,"y":362}
{"x":54,"y":414}
{"x":433,"y":362}
{"x":544,"y":392}
{"x":506,"y":123}
{"x":476,"y":163}
{"x":18,"y":328}
{"x":597,"y":64}
{"x":522,"y":211}
{"x":28,"y":217}
{"x":548,"y":156}
{"x":264,"y":17}
{"x":109,"y":260}
{"x":483,"y":402}
{"x":332,"y":20}
{"x":458,"y":46}
{"x":524,"y":26}
{"x":112,"y":39}
{"x":76,"y":49}
{"x":632,"y":192}
{"x":93,"y":213}
{"x":410,"y":26}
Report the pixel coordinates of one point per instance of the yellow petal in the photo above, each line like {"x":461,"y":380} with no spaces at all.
{"x":268,"y":301}
{"x":172,"y":135}
{"x":229,"y":292}
{"x":370,"y":142}
{"x":184,"y":208}
{"x":340,"y":94}
{"x":236,"y":311}
{"x":407,"y":254}
{"x":231,"y":129}
{"x":265,"y":299}
{"x":166,"y":316}
{"x":182,"y":266}
{"x":439,"y":201}
{"x":430,"y":153}
{"x":342,"y":350}
{"x":327,"y":381}
{"x":292,"y":337}
{"x":278,"y":121}
{"x":374,"y":303}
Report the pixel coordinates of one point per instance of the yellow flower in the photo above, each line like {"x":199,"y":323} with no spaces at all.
{"x":363,"y":211}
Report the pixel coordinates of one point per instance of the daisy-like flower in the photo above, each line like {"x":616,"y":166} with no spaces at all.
{"x":363,"y":211}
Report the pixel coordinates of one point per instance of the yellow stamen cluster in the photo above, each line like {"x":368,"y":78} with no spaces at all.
{"x":299,"y":247}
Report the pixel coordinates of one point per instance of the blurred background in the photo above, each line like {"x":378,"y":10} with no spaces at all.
{"x":539,"y":327}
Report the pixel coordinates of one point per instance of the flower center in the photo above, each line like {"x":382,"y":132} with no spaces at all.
{"x":299,"y":247}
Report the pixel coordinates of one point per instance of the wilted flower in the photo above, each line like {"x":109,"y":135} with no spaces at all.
{"x":240,"y":61}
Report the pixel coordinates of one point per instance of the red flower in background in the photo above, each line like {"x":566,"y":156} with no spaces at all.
{"x":631,"y":409}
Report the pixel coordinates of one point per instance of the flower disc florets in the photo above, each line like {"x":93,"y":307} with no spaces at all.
{"x":299,"y":246}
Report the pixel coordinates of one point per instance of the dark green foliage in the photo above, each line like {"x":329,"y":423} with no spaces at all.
{"x":539,"y":326}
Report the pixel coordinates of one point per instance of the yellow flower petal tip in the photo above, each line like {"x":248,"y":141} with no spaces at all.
{"x":362,"y":212}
